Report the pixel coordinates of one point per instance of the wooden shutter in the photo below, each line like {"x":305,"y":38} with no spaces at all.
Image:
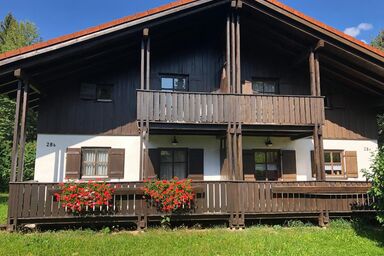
{"x":152,"y":166}
{"x":288,"y":159}
{"x":313,"y":164}
{"x":116,"y":163}
{"x":351,"y":164}
{"x":249,"y":165}
{"x":73,"y":163}
{"x":196,"y":164}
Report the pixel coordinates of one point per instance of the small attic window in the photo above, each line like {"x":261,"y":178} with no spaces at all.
{"x":96,"y":92}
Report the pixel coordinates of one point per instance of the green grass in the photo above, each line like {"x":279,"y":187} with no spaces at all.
{"x":339,"y":239}
{"x":3,"y":208}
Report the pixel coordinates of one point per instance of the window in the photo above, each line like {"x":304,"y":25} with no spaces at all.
{"x":174,"y":82}
{"x":97,"y":92}
{"x":266,"y":86}
{"x":95,"y":162}
{"x":333,"y":163}
{"x":173,"y":163}
{"x":267,"y":164}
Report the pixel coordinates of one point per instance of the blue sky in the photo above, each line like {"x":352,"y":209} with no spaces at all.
{"x":363,"y":18}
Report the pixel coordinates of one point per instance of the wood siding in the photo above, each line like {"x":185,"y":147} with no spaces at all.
{"x":157,"y":106}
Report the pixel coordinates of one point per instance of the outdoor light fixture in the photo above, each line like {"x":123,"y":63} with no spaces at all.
{"x":268,"y":142}
{"x":174,"y":141}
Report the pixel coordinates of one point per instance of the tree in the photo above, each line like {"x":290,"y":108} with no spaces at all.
{"x":14,"y":34}
{"x":378,"y":42}
{"x":376,"y":176}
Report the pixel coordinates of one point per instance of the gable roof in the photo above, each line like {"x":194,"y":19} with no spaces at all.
{"x":170,"y":6}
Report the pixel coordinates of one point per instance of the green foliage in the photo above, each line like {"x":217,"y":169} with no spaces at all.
{"x":15,"y":34}
{"x":378,"y":42}
{"x":3,"y":208}
{"x":376,"y":176}
{"x":7,"y":116}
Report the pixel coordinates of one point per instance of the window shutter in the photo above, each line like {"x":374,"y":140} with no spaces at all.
{"x":313,"y":164}
{"x":73,"y":163}
{"x":152,"y":163}
{"x":288,"y":158}
{"x":196,"y":164}
{"x":88,"y":91}
{"x":116,"y":163}
{"x":249,"y":165}
{"x":351,"y":164}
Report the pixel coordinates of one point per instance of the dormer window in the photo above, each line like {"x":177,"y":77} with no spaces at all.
{"x":174,"y":82}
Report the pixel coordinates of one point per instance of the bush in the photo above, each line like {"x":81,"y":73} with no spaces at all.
{"x":376,"y":176}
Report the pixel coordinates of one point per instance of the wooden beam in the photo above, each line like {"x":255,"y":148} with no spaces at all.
{"x":354,"y":72}
{"x":15,"y":141}
{"x":20,"y":174}
{"x":321,"y":152}
{"x":316,"y":152}
{"x":351,"y":82}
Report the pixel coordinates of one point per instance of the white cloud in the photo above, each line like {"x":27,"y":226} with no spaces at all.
{"x":355,"y":31}
{"x":364,"y":41}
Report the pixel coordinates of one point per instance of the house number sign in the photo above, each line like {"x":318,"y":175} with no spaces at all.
{"x":50,"y":145}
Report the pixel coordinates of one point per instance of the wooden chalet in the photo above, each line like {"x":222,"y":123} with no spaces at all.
{"x":270,"y":112}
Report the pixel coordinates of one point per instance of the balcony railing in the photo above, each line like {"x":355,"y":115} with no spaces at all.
{"x":212,"y":108}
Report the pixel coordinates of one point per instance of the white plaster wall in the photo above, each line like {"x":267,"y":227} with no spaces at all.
{"x":210,"y":144}
{"x":303,"y":147}
{"x":50,"y":160}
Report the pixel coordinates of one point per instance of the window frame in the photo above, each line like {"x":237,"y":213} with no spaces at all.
{"x":95,"y":96}
{"x":173,"y":77}
{"x":185,"y":150}
{"x":266,"y":79}
{"x":278,"y":162}
{"x":332,"y":151}
{"x":96,"y":149}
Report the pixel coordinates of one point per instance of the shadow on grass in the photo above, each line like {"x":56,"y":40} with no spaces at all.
{"x":371,"y":229}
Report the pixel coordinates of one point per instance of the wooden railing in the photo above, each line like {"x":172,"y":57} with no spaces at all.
{"x":212,"y":108}
{"x":232,"y":200}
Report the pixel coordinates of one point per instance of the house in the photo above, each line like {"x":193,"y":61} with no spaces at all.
{"x":251,"y":93}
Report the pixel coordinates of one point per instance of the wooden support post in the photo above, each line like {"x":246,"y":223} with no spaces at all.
{"x":235,"y":153}
{"x":321,"y":153}
{"x":316,"y":155}
{"x":317,"y":72}
{"x":238,"y":66}
{"x":229,"y":152}
{"x":142,"y":65}
{"x":312,"y":73}
{"x":20,"y":173}
{"x":15,"y":142}
{"x":240,"y":152}
{"x":233,"y":57}
{"x":148,"y":68}
{"x":228,"y":53}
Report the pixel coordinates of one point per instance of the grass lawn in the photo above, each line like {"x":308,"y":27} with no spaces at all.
{"x":3,"y":208}
{"x":339,"y":239}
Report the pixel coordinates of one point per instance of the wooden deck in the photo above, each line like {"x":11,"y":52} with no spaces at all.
{"x":213,"y":108}
{"x":231,"y":201}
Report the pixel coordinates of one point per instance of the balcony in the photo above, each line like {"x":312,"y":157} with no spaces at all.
{"x":213,"y":108}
